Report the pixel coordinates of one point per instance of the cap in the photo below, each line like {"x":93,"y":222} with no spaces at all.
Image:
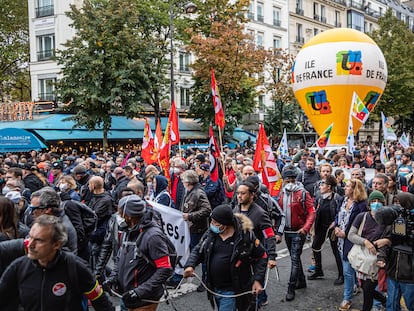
{"x":205,"y":167}
{"x":14,"y":196}
{"x":289,"y":172}
{"x":79,"y":170}
{"x":223,"y":214}
{"x":376,"y":195}
{"x":140,"y":159}
{"x":26,"y":166}
{"x":132,"y":205}
{"x":200,"y":157}
{"x":57,"y":165}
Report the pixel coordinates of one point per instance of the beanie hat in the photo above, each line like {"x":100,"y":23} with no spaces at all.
{"x":223,"y":214}
{"x":376,"y":195}
{"x":132,"y":205}
{"x":289,"y":172}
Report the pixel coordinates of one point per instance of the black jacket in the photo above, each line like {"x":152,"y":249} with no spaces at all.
{"x":59,"y":286}
{"x":248,"y":261}
{"x":143,"y":273}
{"x":9,"y":251}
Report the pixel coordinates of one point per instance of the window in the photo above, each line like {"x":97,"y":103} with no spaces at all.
{"x":315,"y":31}
{"x":44,"y":8}
{"x":47,"y":89}
{"x":184,"y":62}
{"x":276,"y":17}
{"x":261,"y":104}
{"x":259,"y":39}
{"x":355,"y":20}
{"x":277,"y":42}
{"x":299,"y":33}
{"x":380,"y":11}
{"x":184,"y":97}
{"x":338,"y":19}
{"x":260,"y":16}
{"x":315,"y":11}
{"x":299,"y":7}
{"x":323,"y":14}
{"x":45,"y":47}
{"x":250,"y":14}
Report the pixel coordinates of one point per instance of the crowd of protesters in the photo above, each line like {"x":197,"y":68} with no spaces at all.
{"x":317,"y":202}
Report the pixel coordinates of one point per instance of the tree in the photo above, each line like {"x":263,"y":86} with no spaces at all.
{"x":116,"y":63}
{"x":278,"y":68}
{"x":14,"y":50}
{"x":219,"y":41}
{"x":397,"y":44}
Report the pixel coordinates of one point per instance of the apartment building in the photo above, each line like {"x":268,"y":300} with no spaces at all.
{"x":284,"y":24}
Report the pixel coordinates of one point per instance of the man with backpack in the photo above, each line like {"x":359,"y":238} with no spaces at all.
{"x":143,"y":261}
{"x":297,"y":205}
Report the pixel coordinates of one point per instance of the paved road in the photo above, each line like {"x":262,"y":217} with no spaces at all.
{"x":319,"y":295}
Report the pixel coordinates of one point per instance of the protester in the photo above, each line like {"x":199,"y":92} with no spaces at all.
{"x":354,"y":203}
{"x":236,"y":261}
{"x":49,"y":278}
{"x":373,"y":236}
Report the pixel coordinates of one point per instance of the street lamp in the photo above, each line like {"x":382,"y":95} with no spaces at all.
{"x":189,"y":8}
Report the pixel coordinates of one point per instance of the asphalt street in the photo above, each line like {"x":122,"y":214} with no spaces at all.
{"x":319,"y":295}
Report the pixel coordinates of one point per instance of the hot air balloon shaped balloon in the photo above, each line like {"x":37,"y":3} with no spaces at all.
{"x":329,"y":70}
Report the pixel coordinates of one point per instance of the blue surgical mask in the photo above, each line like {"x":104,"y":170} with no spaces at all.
{"x":215,"y":229}
{"x":375,"y":206}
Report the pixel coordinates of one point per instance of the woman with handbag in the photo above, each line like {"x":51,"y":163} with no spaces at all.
{"x":368,"y":236}
{"x":354,"y":203}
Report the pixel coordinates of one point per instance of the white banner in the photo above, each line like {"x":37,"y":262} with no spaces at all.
{"x":177,"y":231}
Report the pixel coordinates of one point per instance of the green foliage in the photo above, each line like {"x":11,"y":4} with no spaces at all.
{"x":116,"y":63}
{"x":285,"y":109}
{"x":14,"y":50}
{"x":218,"y":40}
{"x":397,"y":44}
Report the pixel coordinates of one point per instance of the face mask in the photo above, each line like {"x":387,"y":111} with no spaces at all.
{"x":63,"y":187}
{"x":290,"y":186}
{"x":121,"y":222}
{"x":5,"y":190}
{"x":215,"y":229}
{"x":375,"y":206}
{"x":176,"y":170}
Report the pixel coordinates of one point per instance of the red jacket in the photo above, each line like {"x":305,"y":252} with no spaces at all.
{"x":299,"y":219}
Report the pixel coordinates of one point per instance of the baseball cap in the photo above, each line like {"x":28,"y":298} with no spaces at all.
{"x":205,"y":167}
{"x":57,"y":165}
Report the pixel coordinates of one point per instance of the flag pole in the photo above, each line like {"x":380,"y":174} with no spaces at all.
{"x":221,"y":151}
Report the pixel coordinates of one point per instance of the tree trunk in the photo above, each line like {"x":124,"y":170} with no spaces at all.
{"x":105,"y":141}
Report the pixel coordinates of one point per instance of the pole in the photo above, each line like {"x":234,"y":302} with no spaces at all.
{"x":171,"y":53}
{"x":221,"y":151}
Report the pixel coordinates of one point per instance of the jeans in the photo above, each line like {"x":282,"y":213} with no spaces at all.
{"x":349,"y":280}
{"x":225,"y":303}
{"x":395,"y":291}
{"x":294,"y":243}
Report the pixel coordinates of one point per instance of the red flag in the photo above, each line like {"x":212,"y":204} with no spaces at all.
{"x":157,"y":141}
{"x":218,"y":106}
{"x":147,"y":143}
{"x":265,"y":162}
{"x":214,"y":154}
{"x":164,"y":153}
{"x":174,"y":135}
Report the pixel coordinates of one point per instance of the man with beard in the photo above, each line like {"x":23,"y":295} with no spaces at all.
{"x":309,"y":177}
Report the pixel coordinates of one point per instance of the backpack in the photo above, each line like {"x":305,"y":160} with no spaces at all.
{"x":88,"y":216}
{"x":219,"y":196}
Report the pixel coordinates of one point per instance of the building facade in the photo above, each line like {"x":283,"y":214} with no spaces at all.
{"x":286,"y":24}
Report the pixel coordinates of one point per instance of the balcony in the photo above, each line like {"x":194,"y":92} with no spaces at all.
{"x":260,"y":18}
{"x":299,"y":11}
{"x":46,"y":97}
{"x":323,"y":19}
{"x":316,"y":17}
{"x":356,"y":4}
{"x":300,"y":39}
{"x":277,"y":22}
{"x":45,"y":55}
{"x":45,"y":11}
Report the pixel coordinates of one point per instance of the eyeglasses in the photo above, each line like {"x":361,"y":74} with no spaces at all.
{"x":33,"y":208}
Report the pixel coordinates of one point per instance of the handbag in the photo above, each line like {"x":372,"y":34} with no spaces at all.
{"x":361,"y":259}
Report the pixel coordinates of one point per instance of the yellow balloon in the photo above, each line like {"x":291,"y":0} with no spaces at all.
{"x":332,"y":71}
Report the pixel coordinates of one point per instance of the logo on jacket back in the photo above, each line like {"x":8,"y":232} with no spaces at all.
{"x":59,"y":289}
